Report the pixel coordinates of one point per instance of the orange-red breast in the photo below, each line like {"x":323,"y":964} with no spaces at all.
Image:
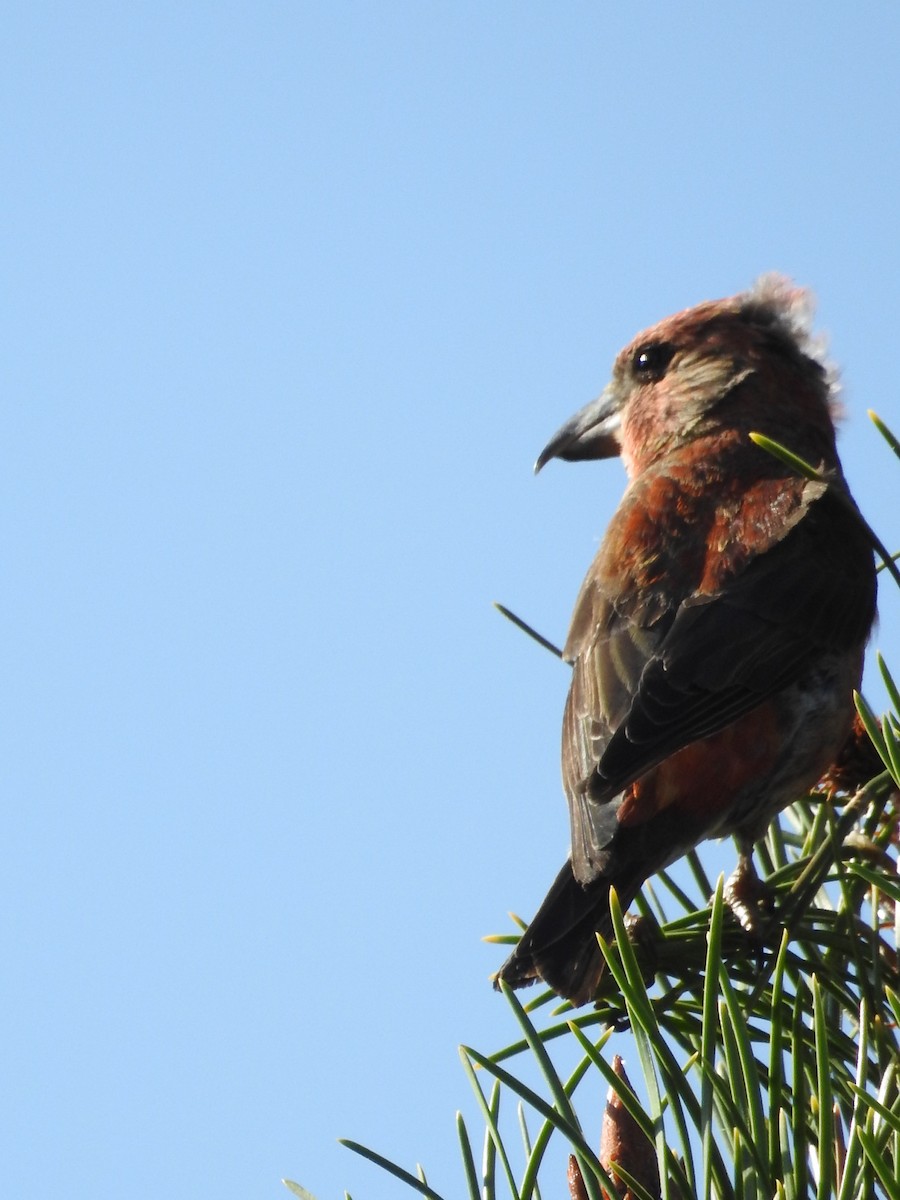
{"x":720,"y":631}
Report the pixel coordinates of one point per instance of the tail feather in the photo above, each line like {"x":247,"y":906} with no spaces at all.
{"x":560,"y":945}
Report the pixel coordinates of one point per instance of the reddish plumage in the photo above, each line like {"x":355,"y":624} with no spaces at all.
{"x":720,"y":630}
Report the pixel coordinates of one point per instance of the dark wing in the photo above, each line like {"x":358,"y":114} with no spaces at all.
{"x":640,"y":694}
{"x":610,"y":655}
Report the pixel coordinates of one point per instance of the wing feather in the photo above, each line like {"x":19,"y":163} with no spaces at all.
{"x":640,"y":692}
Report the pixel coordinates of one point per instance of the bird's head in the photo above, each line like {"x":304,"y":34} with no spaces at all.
{"x":748,"y":362}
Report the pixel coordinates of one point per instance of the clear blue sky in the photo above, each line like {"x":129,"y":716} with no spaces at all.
{"x":293,"y":295}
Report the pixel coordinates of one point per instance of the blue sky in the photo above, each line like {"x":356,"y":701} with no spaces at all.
{"x":294,"y":294}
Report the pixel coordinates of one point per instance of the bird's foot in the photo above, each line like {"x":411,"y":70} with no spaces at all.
{"x":751,"y":900}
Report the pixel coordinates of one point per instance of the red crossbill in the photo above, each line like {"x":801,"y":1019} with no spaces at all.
{"x":719,"y":634}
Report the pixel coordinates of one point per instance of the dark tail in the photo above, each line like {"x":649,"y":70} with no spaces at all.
{"x":560,"y":944}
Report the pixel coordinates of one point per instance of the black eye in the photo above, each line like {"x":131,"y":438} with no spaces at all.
{"x":650,"y":361}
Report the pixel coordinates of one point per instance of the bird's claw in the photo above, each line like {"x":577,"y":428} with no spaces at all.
{"x":751,"y":900}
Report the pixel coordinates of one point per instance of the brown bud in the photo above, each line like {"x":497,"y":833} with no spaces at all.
{"x":623,"y":1142}
{"x":577,"y":1190}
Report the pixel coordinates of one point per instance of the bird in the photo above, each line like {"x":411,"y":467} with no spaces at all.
{"x":720,"y":631}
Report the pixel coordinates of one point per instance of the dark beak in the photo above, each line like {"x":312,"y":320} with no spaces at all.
{"x":591,"y":433}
